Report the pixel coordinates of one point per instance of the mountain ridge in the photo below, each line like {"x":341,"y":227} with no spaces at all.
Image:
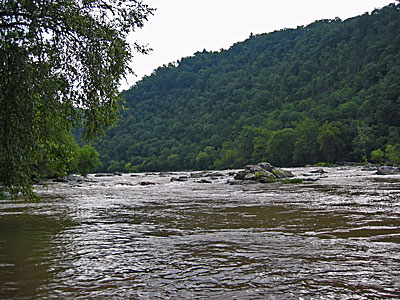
{"x":328,"y":91}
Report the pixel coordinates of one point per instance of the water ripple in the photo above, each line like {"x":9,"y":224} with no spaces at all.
{"x":113,"y":238}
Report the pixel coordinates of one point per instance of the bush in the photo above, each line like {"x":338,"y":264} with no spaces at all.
{"x":392,"y":154}
{"x":88,"y":160}
{"x":377,"y":156}
{"x":3,"y":196}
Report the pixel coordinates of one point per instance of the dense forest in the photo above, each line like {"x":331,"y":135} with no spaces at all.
{"x":326,"y":92}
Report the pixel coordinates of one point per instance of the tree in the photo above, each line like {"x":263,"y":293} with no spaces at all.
{"x":173,"y":162}
{"x":260,"y":142}
{"x":60,"y":157}
{"x":330,"y":142}
{"x":377,"y":155}
{"x":281,"y":147}
{"x":88,"y":160}
{"x":363,"y":141}
{"x":306,"y":146}
{"x":227,"y":157}
{"x":393,"y":154}
{"x":60,"y":65}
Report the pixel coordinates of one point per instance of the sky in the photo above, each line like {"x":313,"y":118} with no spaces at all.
{"x":179,"y":28}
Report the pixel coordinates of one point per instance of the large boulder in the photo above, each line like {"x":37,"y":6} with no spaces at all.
{"x":262,"y":172}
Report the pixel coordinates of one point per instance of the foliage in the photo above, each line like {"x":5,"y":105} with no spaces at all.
{"x":88,"y":160}
{"x":329,"y":91}
{"x":306,"y":146}
{"x":392,"y":154}
{"x":3,"y":196}
{"x":59,"y":157}
{"x":64,"y":157}
{"x":329,"y":141}
{"x":281,"y":147}
{"x":60,"y":63}
{"x":377,"y":156}
{"x":270,"y":180}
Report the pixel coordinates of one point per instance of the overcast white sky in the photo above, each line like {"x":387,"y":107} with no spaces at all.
{"x":179,"y":28}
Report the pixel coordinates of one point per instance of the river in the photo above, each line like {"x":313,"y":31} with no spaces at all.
{"x":114,"y":237}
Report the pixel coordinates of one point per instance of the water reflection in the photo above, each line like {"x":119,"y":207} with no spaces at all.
{"x":25,"y":254}
{"x":113,"y":238}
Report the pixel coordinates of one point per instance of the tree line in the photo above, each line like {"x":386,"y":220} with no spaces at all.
{"x":326,"y":92}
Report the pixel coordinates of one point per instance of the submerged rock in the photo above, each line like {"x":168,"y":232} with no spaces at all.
{"x":368,"y":169}
{"x":318,"y":171}
{"x":203,"y":181}
{"x":387,"y":170}
{"x":108,"y":174}
{"x":103,"y":175}
{"x":164,"y":174}
{"x":216,"y":174}
{"x":197,"y":175}
{"x":262,"y":172}
{"x":240,"y":182}
{"x":146,"y":183}
{"x":74,"y":177}
{"x":181,"y":178}
{"x":60,"y":179}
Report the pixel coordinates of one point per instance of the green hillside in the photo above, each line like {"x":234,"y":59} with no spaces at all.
{"x":326,"y":92}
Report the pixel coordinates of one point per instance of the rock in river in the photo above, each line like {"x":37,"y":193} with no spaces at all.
{"x":181,"y":178}
{"x":262,"y":172}
{"x":387,"y":170}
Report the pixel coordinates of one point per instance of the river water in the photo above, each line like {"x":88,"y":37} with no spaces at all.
{"x":115,"y":238}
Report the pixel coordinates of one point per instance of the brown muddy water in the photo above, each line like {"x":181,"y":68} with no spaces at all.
{"x":113,"y":238}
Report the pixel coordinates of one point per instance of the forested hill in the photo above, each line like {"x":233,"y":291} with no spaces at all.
{"x":326,"y":92}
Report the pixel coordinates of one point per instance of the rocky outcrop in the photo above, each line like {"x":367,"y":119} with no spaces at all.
{"x":206,"y":174}
{"x":263,"y":172}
